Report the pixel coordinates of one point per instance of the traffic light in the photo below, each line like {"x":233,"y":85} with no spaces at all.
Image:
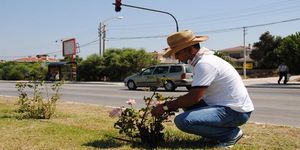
{"x":118,"y":5}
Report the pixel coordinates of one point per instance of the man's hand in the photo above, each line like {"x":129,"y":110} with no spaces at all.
{"x":157,"y":111}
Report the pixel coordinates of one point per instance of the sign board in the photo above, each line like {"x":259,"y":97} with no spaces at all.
{"x":249,"y":65}
{"x":69,"y":47}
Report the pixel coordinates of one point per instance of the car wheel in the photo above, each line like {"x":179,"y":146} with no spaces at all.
{"x":131,"y":85}
{"x":170,"y":86}
{"x":188,"y":87}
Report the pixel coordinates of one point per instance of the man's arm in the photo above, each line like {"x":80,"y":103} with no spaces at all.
{"x":187,"y":100}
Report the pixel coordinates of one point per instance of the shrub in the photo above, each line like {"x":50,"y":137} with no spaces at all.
{"x":140,"y":125}
{"x":35,"y":106}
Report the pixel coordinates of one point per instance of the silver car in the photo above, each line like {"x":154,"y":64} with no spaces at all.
{"x":174,"y":75}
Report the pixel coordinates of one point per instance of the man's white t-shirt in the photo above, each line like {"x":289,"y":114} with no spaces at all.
{"x":225,"y":86}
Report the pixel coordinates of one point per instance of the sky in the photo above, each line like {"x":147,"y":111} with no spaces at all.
{"x":36,"y":27}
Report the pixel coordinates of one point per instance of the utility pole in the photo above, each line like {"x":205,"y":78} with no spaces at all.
{"x":104,"y":37}
{"x":102,"y":33}
{"x":245,"y":53}
{"x":100,"y":37}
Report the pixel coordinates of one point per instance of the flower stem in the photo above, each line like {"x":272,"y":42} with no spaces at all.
{"x":148,"y":104}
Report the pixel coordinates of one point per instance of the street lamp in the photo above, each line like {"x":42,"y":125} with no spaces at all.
{"x":102,"y":33}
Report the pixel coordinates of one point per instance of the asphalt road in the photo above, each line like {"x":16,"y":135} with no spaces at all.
{"x":279,"y":106}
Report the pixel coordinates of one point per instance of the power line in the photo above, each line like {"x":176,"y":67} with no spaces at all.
{"x":210,"y":31}
{"x":21,"y":56}
{"x":230,"y":18}
{"x":54,"y":52}
{"x":271,"y":23}
{"x":163,"y":36}
{"x":138,"y":37}
{"x":89,"y":43}
{"x":250,"y":11}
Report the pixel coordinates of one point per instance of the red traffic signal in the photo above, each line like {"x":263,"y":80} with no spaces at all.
{"x":118,"y":5}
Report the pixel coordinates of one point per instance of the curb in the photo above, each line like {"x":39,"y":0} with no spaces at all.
{"x":273,"y":86}
{"x":69,"y":82}
{"x":98,"y":83}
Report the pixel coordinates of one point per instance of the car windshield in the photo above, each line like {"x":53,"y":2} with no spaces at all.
{"x":147,"y":71}
{"x":188,"y":69}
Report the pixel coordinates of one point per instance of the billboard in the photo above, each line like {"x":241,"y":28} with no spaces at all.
{"x":69,"y":47}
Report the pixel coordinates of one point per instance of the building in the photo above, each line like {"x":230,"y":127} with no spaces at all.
{"x":37,"y":58}
{"x":162,"y":59}
{"x":238,"y":52}
{"x":236,"y":55}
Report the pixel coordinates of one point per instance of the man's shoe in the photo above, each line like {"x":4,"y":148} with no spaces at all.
{"x":230,"y":143}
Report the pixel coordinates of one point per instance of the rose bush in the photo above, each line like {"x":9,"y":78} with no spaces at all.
{"x":36,"y":105}
{"x":138,"y":124}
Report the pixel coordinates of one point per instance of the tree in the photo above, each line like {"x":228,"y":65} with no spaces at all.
{"x":115,"y":65}
{"x":22,"y":71}
{"x":119,"y":63}
{"x":77,"y":59}
{"x":264,"y":50}
{"x":226,"y":58}
{"x":91,"y":68}
{"x":135,"y":61}
{"x":37,"y":71}
{"x":6,"y":69}
{"x":289,"y":52}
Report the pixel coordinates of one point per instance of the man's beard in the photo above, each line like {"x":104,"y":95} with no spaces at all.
{"x":185,"y":61}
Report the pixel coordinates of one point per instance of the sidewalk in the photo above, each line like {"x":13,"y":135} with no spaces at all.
{"x":271,"y":82}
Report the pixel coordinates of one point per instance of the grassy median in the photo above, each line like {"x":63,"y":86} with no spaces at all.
{"x":83,"y":126}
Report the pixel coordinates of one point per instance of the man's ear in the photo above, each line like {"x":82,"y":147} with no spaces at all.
{"x":194,"y":50}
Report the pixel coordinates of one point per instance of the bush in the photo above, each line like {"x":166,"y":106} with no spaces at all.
{"x":139,"y":124}
{"x":126,"y":60}
{"x":35,"y":107}
{"x":22,"y":71}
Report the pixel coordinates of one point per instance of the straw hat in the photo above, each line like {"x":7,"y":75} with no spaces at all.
{"x":182,"y":39}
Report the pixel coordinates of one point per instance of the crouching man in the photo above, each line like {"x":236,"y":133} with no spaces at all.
{"x":218,"y":102}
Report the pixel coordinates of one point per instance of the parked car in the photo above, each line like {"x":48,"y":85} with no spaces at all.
{"x":174,"y":75}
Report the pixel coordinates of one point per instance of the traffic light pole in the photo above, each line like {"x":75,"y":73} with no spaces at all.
{"x":137,"y":7}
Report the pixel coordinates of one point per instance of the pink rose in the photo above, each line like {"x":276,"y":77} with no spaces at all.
{"x":131,"y":102}
{"x":116,"y":112}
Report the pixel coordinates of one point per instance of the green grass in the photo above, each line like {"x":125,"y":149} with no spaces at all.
{"x":83,"y":126}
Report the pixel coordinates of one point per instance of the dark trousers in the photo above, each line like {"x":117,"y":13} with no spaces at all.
{"x":281,"y":75}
